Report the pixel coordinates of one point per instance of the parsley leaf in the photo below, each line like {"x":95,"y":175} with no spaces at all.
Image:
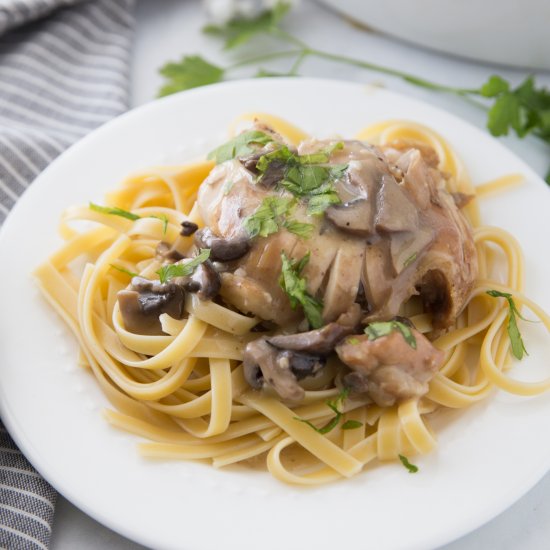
{"x":239,"y":146}
{"x":411,"y":467}
{"x":333,"y":422}
{"x":494,"y":87}
{"x":124,"y":270}
{"x":271,"y":215}
{"x":268,"y":216}
{"x":239,"y":31}
{"x":303,"y":230}
{"x":351,"y":425}
{"x":516,"y":341}
{"x":383,"y":328}
{"x":114,"y":211}
{"x":164,"y":219}
{"x":168,"y":272}
{"x":304,"y":176}
{"x":318,"y":203}
{"x":296,"y":289}
{"x":191,"y":72}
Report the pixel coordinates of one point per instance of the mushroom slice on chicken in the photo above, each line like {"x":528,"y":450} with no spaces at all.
{"x":388,"y":369}
{"x":321,"y":341}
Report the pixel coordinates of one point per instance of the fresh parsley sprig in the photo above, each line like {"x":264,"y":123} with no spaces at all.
{"x":168,"y":272}
{"x":115,"y":211}
{"x":296,"y":289}
{"x":523,"y":110}
{"x":383,"y":328}
{"x":516,"y":341}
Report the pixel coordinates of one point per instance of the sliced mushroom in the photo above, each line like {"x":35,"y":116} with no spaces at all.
{"x":394,"y":209}
{"x":145,"y":301}
{"x":323,"y":340}
{"x":165,"y":252}
{"x":355,"y":217}
{"x":188,"y":228}
{"x":204,"y":281}
{"x":222,"y":250}
{"x":263,"y":364}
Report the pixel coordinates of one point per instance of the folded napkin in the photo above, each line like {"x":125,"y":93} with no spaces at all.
{"x":64,"y":70}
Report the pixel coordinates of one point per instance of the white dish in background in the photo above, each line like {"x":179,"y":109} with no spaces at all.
{"x":509,"y":32}
{"x":488,"y":455}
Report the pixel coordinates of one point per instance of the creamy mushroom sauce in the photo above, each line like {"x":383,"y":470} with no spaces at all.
{"x":396,"y":232}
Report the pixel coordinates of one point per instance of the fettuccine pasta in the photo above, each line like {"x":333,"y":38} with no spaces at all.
{"x":184,"y":390}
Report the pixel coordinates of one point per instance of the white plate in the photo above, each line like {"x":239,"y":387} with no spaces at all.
{"x":488,"y":455}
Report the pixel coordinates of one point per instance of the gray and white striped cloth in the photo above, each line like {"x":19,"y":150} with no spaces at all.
{"x":64,"y":70}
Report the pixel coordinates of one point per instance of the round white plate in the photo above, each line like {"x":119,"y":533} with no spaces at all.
{"x":488,"y":455}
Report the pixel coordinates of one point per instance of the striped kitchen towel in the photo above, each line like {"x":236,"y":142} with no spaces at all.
{"x":64,"y":70}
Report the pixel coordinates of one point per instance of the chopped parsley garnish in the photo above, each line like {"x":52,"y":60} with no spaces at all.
{"x":124,"y":270}
{"x":115,"y":211}
{"x":411,"y":467}
{"x":268,"y":216}
{"x":384,"y":328}
{"x":518,"y":347}
{"x":168,"y":272}
{"x":352,"y":341}
{"x":305,"y":176}
{"x":303,"y":230}
{"x":272,"y":214}
{"x":239,"y":146}
{"x":296,"y":289}
{"x":333,"y":422}
{"x":351,"y":425}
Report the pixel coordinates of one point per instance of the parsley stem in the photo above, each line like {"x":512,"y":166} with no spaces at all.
{"x":296,"y":65}
{"x":265,"y":57}
{"x":287,"y":37}
{"x":392,"y":72}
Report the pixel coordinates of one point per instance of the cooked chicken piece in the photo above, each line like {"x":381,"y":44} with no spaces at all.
{"x":397,"y":233}
{"x":388,"y":369}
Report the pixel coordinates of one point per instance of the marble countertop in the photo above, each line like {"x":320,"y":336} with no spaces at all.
{"x":168,"y":29}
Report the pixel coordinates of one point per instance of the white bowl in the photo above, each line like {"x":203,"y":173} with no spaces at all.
{"x":509,"y":32}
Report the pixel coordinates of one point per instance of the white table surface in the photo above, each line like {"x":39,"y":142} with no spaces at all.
{"x":167,"y":29}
